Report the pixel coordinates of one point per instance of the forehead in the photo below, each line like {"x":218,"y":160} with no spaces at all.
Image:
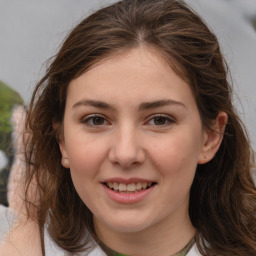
{"x":151,"y":52}
{"x":139,"y":72}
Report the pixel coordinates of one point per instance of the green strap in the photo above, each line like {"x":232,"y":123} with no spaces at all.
{"x":185,"y":250}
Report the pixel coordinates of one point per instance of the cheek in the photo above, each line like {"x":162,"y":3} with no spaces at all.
{"x":176,"y":156}
{"x":86,"y":157}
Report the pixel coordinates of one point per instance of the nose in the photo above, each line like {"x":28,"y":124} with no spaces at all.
{"x":127,"y":149}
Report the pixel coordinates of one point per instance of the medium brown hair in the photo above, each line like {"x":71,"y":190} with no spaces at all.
{"x":223,"y":194}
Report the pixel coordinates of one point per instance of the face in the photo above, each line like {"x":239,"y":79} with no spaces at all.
{"x":132,"y":139}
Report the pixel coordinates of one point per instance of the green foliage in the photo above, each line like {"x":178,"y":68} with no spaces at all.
{"x":8,"y":99}
{"x":4,"y":174}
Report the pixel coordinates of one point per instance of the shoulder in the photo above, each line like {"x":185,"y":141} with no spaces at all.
{"x":52,"y":249}
{"x":17,"y":237}
{"x":7,"y":219}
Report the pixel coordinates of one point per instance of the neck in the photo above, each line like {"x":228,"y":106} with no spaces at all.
{"x":164,"y":238}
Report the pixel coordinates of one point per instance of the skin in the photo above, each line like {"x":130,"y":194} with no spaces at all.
{"x":126,"y":140}
{"x":23,"y":239}
{"x":130,"y":144}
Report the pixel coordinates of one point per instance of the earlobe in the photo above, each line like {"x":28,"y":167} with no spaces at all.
{"x":64,"y":159}
{"x":60,"y":138}
{"x":212,"y":138}
{"x":65,"y":162}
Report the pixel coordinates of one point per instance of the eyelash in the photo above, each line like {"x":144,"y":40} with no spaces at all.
{"x":168,"y":120}
{"x":89,"y":119}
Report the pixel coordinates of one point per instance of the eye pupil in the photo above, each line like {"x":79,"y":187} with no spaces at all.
{"x":159,"y":120}
{"x":98,"y":120}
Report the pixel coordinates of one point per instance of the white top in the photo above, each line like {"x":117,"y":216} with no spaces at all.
{"x":194,"y":251}
{"x":51,"y":249}
{"x":7,"y":218}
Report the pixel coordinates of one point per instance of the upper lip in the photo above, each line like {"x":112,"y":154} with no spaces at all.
{"x":127,"y":181}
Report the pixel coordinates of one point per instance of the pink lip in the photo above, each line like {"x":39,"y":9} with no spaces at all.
{"x":127,"y":198}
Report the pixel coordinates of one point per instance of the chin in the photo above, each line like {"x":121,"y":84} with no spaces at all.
{"x":127,"y":224}
{"x":128,"y":228}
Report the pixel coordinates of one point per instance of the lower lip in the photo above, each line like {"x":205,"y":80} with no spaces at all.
{"x":128,"y":198}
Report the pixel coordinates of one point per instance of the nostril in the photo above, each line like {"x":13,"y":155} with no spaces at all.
{"x":126,"y":154}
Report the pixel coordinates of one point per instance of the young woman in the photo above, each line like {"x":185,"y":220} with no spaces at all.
{"x":134,"y":143}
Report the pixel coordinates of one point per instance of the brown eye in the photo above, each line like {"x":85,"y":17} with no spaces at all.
{"x":98,"y":120}
{"x":161,"y":120}
{"x":95,"y":120}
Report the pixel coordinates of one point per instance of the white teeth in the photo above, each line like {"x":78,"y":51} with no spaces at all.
{"x":110,"y":184}
{"x":115,"y":186}
{"x":139,"y":186}
{"x":122,"y":187}
{"x":131,"y":187}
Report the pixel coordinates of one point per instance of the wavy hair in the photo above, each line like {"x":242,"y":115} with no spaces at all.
{"x":223,"y":195}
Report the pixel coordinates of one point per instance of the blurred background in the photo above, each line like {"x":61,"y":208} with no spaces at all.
{"x":32,"y":30}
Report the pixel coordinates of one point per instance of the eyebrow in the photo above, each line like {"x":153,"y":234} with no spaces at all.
{"x":159,"y":103}
{"x":142,"y":106}
{"x":94,"y":103}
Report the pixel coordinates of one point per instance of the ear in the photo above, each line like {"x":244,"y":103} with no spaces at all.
{"x":64,"y":159}
{"x":212,"y":138}
{"x":61,"y":140}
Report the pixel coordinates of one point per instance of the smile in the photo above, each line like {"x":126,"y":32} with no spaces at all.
{"x":128,"y":191}
{"x":129,"y":188}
